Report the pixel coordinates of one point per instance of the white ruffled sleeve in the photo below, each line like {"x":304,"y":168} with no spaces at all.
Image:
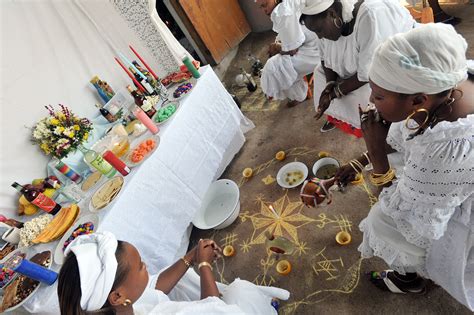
{"x":286,"y":24}
{"x":437,"y":178}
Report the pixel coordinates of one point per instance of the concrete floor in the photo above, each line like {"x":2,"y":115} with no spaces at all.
{"x":325,"y":278}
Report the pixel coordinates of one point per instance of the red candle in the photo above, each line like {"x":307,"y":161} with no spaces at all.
{"x":140,"y":87}
{"x":116,"y":162}
{"x":144,"y":63}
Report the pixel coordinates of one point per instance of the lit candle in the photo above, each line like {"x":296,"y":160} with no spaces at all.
{"x":274,"y":212}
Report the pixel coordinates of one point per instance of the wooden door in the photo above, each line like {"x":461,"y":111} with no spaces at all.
{"x":221,"y":24}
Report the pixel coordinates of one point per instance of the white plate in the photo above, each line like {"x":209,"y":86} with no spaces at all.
{"x":135,"y":144}
{"x":35,"y":289}
{"x":175,"y":103}
{"x":58,"y":253}
{"x":114,"y":197}
{"x":291,"y":167}
{"x":193,"y":81}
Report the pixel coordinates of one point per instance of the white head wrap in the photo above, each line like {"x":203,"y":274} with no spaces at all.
{"x":95,"y":254}
{"x":428,"y":59}
{"x":313,"y":7}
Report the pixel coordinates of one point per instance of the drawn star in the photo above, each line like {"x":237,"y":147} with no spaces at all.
{"x":245,"y":246}
{"x":268,"y":180}
{"x":301,"y":248}
{"x":287,"y":220}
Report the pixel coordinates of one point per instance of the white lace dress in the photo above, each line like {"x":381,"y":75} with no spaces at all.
{"x":423,"y":222}
{"x":282,"y":76}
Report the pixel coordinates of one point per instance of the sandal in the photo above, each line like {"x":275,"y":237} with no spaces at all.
{"x":383,"y":282}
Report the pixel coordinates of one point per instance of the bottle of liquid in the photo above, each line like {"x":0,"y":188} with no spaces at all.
{"x":107,"y":115}
{"x":189,"y":64}
{"x":144,"y":82}
{"x":36,"y":197}
{"x":249,"y":81}
{"x":256,"y":64}
{"x":279,"y":244}
{"x":139,"y":100}
{"x":97,"y":161}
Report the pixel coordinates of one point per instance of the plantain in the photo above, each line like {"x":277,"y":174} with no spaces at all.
{"x":59,"y":225}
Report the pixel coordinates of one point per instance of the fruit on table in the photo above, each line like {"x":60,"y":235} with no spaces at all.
{"x":59,"y":225}
{"x":142,"y":150}
{"x":30,"y":209}
{"x":49,"y":192}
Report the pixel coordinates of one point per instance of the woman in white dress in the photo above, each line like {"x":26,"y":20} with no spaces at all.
{"x":293,"y":55}
{"x":104,"y":276}
{"x":423,"y":222}
{"x":350,"y":31}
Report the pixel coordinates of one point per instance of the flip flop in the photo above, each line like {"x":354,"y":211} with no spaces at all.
{"x":382,"y":281}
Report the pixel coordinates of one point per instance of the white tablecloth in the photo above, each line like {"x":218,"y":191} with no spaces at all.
{"x":160,"y":198}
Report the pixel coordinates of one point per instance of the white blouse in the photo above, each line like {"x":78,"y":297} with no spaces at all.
{"x":376,"y":20}
{"x":286,"y":24}
{"x":438,"y":178}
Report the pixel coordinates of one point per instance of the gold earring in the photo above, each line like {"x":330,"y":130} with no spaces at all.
{"x":340,"y":22}
{"x":127,"y":302}
{"x":420,"y":110}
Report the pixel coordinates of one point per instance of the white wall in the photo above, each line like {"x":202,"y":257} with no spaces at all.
{"x":259,"y":22}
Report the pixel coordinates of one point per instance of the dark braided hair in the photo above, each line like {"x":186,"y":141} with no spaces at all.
{"x":69,"y":284}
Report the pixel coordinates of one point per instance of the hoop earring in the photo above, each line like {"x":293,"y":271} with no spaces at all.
{"x":336,"y":24}
{"x":127,"y":302}
{"x":420,"y":110}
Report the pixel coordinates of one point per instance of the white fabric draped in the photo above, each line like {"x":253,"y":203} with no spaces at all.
{"x":50,"y":51}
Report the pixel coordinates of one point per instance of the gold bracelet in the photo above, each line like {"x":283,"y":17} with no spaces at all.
{"x":382,"y":179}
{"x":204,"y":263}
{"x":186,"y":262}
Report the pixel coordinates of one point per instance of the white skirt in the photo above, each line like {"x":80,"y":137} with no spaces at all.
{"x":283,"y":75}
{"x":345,"y":108}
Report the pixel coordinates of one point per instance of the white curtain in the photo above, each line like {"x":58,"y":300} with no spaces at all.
{"x":50,"y":51}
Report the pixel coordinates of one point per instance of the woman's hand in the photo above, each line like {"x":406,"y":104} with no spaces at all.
{"x":375,"y":130}
{"x":345,"y":174}
{"x":273,"y":49}
{"x":207,"y":250}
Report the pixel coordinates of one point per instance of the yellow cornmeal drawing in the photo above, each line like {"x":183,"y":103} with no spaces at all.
{"x":287,"y":222}
{"x":338,"y":276}
{"x":329,"y":266}
{"x":269,"y":180}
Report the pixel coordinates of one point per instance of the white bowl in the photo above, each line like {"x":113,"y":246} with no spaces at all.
{"x":291,"y":167}
{"x":220,"y":206}
{"x":323,"y":162}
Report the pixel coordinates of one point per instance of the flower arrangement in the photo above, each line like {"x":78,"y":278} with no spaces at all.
{"x":61,"y":132}
{"x":150,"y":102}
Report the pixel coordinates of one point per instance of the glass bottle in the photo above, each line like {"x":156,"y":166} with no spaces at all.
{"x":98,"y":162}
{"x":144,"y":82}
{"x":279,"y":244}
{"x":36,"y":197}
{"x":139,"y":100}
{"x":107,"y":115}
{"x":250,"y":82}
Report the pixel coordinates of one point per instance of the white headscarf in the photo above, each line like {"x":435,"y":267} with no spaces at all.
{"x":313,"y":7}
{"x":95,"y":254}
{"x":428,"y":59}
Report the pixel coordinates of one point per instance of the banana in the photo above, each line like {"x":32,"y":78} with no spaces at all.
{"x":59,"y":225}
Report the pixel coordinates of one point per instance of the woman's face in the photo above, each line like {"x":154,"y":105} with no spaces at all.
{"x":137,"y":279}
{"x":267,"y":6}
{"x":324,"y":27}
{"x":390,"y":105}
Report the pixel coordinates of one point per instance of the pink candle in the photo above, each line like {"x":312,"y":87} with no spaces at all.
{"x":143,"y":117}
